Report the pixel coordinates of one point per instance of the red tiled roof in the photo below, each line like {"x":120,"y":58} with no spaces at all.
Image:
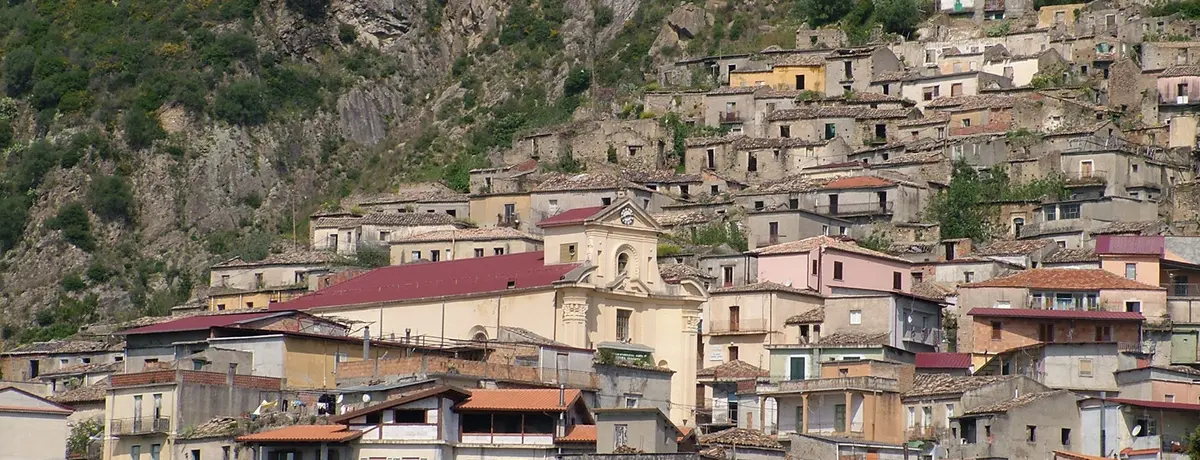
{"x":571,"y":217}
{"x":1056,"y":314}
{"x":304,"y":433}
{"x":195,"y":323}
{"x":858,"y":182}
{"x":1130,"y":244}
{"x":436,"y":279}
{"x":579,"y":433}
{"x":1064,"y":279}
{"x":1076,"y":456}
{"x":521,"y":400}
{"x":1156,"y":404}
{"x":440,"y":390}
{"x":943,"y":361}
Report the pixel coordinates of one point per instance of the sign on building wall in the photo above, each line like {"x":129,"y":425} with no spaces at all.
{"x":716,"y":353}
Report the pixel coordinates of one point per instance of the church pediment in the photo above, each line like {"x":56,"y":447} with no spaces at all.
{"x":627,"y":214}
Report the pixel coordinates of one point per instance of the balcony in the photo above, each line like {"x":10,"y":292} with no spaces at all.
{"x":741,"y":326}
{"x":1086,"y":178}
{"x":1057,"y":226}
{"x":771,"y":240}
{"x":866,"y":383}
{"x":1168,"y":443}
{"x":859,"y":209}
{"x":922,"y":432}
{"x":511,"y":220}
{"x":139,"y":426}
{"x":730,"y":117}
{"x":928,"y":336}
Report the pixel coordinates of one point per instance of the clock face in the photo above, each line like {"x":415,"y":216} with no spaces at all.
{"x":627,"y":216}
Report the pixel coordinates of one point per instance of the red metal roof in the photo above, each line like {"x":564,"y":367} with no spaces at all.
{"x":943,"y":361}
{"x":195,"y":323}
{"x":1156,"y":404}
{"x":571,"y":217}
{"x":1035,"y":313}
{"x":1126,"y":244}
{"x":437,"y":279}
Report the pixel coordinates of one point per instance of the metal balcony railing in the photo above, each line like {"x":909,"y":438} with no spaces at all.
{"x":868,"y":208}
{"x":770,"y":240}
{"x":867,"y":383}
{"x":1182,"y":289}
{"x":1093,"y":177}
{"x":730,"y":117}
{"x":140,"y":426}
{"x":512,"y":220}
{"x":927,"y":335}
{"x":745,"y":325}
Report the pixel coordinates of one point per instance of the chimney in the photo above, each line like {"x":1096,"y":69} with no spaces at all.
{"x":562,"y":395}
{"x":367,"y":342}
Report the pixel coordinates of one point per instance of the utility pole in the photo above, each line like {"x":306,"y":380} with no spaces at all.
{"x":1102,"y":443}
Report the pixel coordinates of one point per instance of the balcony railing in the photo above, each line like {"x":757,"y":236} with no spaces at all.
{"x":731,"y":117}
{"x":757,"y":325}
{"x":140,"y":426}
{"x":771,"y":240}
{"x":1093,"y":177}
{"x":922,"y":432}
{"x":1182,"y":289}
{"x":844,"y":209}
{"x":512,"y":220}
{"x":868,"y":383}
{"x":1060,"y":225}
{"x":927,"y":336}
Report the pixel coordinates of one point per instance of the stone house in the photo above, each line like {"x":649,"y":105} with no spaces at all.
{"x":1124,"y":172}
{"x":888,"y":83}
{"x":925,"y":89}
{"x":854,"y":69}
{"x":760,"y":159}
{"x":563,"y":192}
{"x":1022,"y":68}
{"x":977,"y":114}
{"x":829,"y":171}
{"x":766,"y":227}
{"x":1059,"y":17}
{"x":1161,"y":55}
{"x":1178,"y":91}
{"x":637,"y":143}
{"x":723,"y":387}
{"x":957,"y":60}
{"x":928,"y":53}
{"x":729,"y":267}
{"x":822,"y":38}
{"x":733,"y":107}
{"x":1159,"y":383}
{"x":461,"y":244}
{"x":689,"y":104}
{"x":654,"y":432}
{"x":936,"y":398}
{"x":806,"y":348}
{"x":703,"y":185}
{"x":512,"y":178}
{"x":802,"y":72}
{"x":906,"y":321}
{"x":741,"y":321}
{"x":860,"y":125}
{"x":1030,"y":425}
{"x":922,"y":167}
{"x":276,"y":270}
{"x":869,"y":199}
{"x":1081,"y":367}
{"x":1068,"y":222}
{"x":932,"y":126}
{"x":417,"y":198}
{"x":28,"y":362}
{"x":992,"y":331}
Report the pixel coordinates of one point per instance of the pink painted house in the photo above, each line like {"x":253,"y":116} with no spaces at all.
{"x":833,"y":266}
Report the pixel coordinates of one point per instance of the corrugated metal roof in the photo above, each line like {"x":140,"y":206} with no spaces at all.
{"x":1130,"y":244}
{"x":943,"y":360}
{"x":571,"y":216}
{"x":1035,"y":313}
{"x":203,"y":322}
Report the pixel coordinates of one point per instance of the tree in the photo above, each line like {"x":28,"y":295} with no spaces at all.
{"x":18,"y":70}
{"x":1192,"y":444}
{"x":313,"y":10}
{"x":111,"y":198}
{"x":75,"y":225}
{"x":243,"y":103}
{"x":822,"y":12}
{"x":959,"y":208}
{"x":141,"y":129}
{"x":82,"y":433}
{"x":898,"y":16}
{"x":578,"y":81}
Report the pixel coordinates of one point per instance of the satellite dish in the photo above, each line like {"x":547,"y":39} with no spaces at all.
{"x":340,"y":398}
{"x":1136,"y":430}
{"x":366,"y":398}
{"x":909,"y":319}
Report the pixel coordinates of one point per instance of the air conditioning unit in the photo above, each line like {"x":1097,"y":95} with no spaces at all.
{"x":1181,"y":99}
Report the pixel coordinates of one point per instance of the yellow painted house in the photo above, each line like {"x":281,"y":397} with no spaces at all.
{"x":595,"y":285}
{"x":796,"y":72}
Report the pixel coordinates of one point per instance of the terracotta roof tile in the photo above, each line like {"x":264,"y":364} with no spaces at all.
{"x":740,"y":437}
{"x":675,"y":218}
{"x":337,"y":222}
{"x":1071,"y":255}
{"x":673,"y":273}
{"x":1181,"y":71}
{"x":732,"y":90}
{"x":1064,"y":279}
{"x":284,"y":258}
{"x":855,"y":339}
{"x":469,"y":234}
{"x":1013,"y":247}
{"x":436,"y":279}
{"x":585,"y":181}
{"x":90,"y":393}
{"x":1077,"y":456}
{"x":790,"y":184}
{"x":219,"y":427}
{"x":733,"y":370}
{"x":811,"y":243}
{"x":933,"y":290}
{"x":1007,"y":405}
{"x":409,"y":219}
{"x":929,"y":119}
{"x":943,"y":361}
{"x":1145,"y":228}
{"x":522,"y":400}
{"x":79,"y":369}
{"x":941,"y":384}
{"x":64,"y":346}
{"x":1035,"y":313}
{"x":895,"y":75}
{"x":659,"y":176}
{"x":304,"y":433}
{"x":855,"y":182}
{"x":579,"y":433}
{"x":844,"y":111}
{"x":765,"y":286}
{"x":801,"y":60}
{"x":754,"y":143}
{"x":816,"y":315}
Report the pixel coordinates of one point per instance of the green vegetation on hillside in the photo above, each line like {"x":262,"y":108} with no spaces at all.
{"x":1189,"y":9}
{"x":859,"y":17}
{"x":965,"y":209}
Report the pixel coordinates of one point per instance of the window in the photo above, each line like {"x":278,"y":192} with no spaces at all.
{"x":714,"y":190}
{"x":751,"y":162}
{"x":733,"y":353}
{"x":897,"y":280}
{"x":842,"y":230}
{"x":968,"y":277}
{"x":727,"y":274}
{"x":384,"y":236}
{"x":949,"y":413}
{"x":135,"y":452}
{"x":1018,"y":222}
{"x":416,"y":255}
{"x":1046,"y":332}
{"x":773,"y":231}
{"x":63,"y":361}
{"x":796,"y":369}
{"x":1133,"y":168}
{"x":409,"y":416}
{"x":1065,"y":437}
{"x":155,"y":451}
{"x":1050,"y":213}
{"x":498,"y":251}
{"x":568,"y":252}
{"x":926,"y":416}
{"x":793,"y":203}
{"x":1131,"y":271}
{"x":830,"y":131}
{"x":918,"y":277}
{"x":997,"y":329}
{"x":631,"y":400}
{"x":435,"y":255}
{"x":1149,"y":427}
{"x":478,"y":252}
{"x":837,"y":271}
{"x":824,"y":229}
{"x":712,"y":159}
{"x":785,"y":131}
{"x":1086,"y":367}
{"x":1169,"y":398}
{"x":941,"y":133}
{"x":1133,"y":306}
{"x":1030,"y":433}
{"x":930,"y":56}
{"x":759,"y":205}
{"x":623,"y":317}
{"x":814,"y":267}
{"x":622,"y":264}
{"x":1104,"y":333}
{"x":620,"y":435}
{"x":912,"y":417}
{"x":929,"y":93}
{"x":966,"y":122}
{"x":956,"y":89}
{"x":1069,"y":211}
{"x":848,"y":69}
{"x":855,"y":316}
{"x":606,"y":201}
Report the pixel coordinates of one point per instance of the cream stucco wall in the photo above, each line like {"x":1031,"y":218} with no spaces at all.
{"x":1023,"y":70}
{"x":486,"y":208}
{"x":761,"y":322}
{"x":119,"y":405}
{"x":33,"y":436}
{"x":247,"y":277}
{"x":782,"y":77}
{"x":402,"y":252}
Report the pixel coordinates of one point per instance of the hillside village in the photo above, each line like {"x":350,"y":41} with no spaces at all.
{"x":982,"y":243}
